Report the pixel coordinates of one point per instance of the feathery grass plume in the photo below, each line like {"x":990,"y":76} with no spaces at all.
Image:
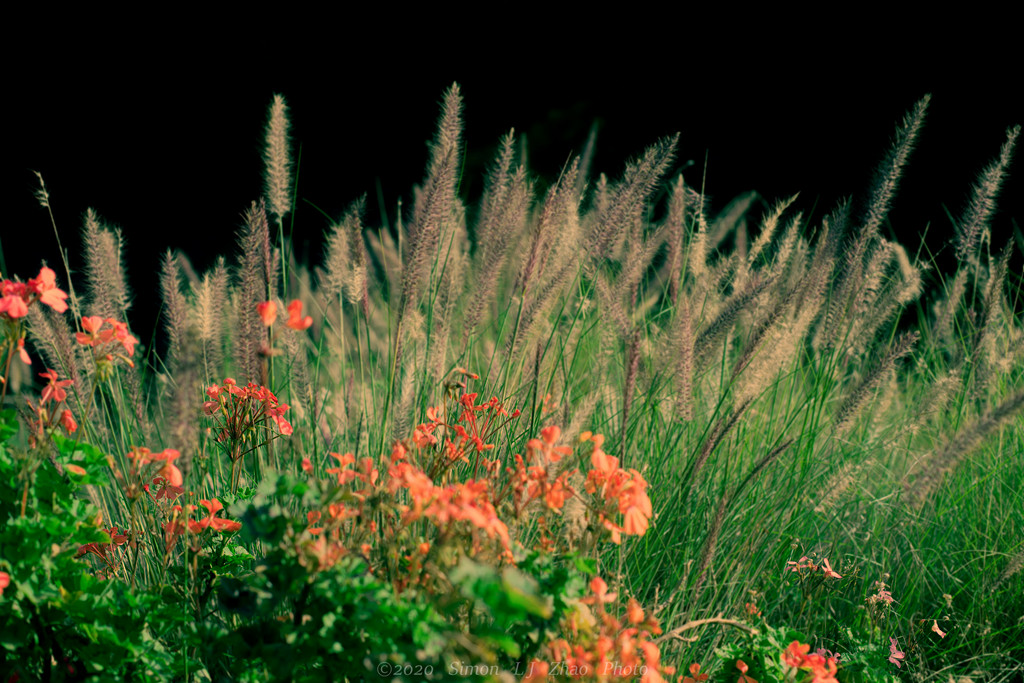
{"x":277,"y":158}
{"x":434,"y":201}
{"x":502,"y":218}
{"x":108,"y":293}
{"x":709,"y":338}
{"x":990,"y":311}
{"x":888,"y":174}
{"x":175,"y":309}
{"x":838,"y":484}
{"x":209,"y":312}
{"x":935,"y":399}
{"x":294,"y":344}
{"x":632,"y":366}
{"x":253,"y":282}
{"x":627,"y":200}
{"x":921,"y":483}
{"x":697,"y":256}
{"x":683,"y":376}
{"x":53,"y":338}
{"x":974,"y":222}
{"x":848,"y":410}
{"x":345,"y":269}
{"x":412,"y":372}
{"x":850,"y":277}
{"x":768,"y":227}
{"x":1011,"y":570}
{"x":945,"y":309}
{"x":553,"y":258}
{"x":674,"y":234}
{"x":722,"y":426}
{"x":449,"y":290}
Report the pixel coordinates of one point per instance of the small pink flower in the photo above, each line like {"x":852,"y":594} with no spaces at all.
{"x":895,"y":654}
{"x":828,"y":571}
{"x":935,"y":627}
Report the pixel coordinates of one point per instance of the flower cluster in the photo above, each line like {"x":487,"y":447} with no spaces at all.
{"x":624,"y":492}
{"x":45,"y":418}
{"x":180,"y":519}
{"x":107,"y":551}
{"x":145,"y":468}
{"x":15,"y":300}
{"x":109,"y":340}
{"x":605,"y":647}
{"x":241,"y":410}
{"x":822,"y":668}
{"x":267,"y":311}
{"x":804,"y":566}
{"x":16,"y":297}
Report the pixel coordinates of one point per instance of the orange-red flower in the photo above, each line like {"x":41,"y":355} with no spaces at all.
{"x":695,"y":675}
{"x":295,"y":319}
{"x":54,"y":389}
{"x":267,"y":311}
{"x":212,"y":521}
{"x":5,"y":581}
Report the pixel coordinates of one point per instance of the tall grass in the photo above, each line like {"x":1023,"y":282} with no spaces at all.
{"x":809,"y":388}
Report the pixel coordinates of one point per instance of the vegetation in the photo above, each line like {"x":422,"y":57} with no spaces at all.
{"x":581,"y":430}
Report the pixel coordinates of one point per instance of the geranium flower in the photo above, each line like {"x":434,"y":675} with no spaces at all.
{"x":54,"y":389}
{"x":45,"y":284}
{"x":22,"y":353}
{"x":267,"y":311}
{"x":67,"y":420}
{"x":744,"y":678}
{"x":695,"y":675}
{"x":295,"y":319}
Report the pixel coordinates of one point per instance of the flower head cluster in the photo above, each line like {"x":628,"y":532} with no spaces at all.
{"x":241,"y":410}
{"x":268,"y":313}
{"x":822,"y":668}
{"x":535,"y":482}
{"x":16,"y":297}
{"x":805,"y":566}
{"x":624,"y":492}
{"x":146,"y":467}
{"x":180,"y":520}
{"x":606,"y":647}
{"x":15,"y":300}
{"x":106,"y":551}
{"x":50,"y":410}
{"x":109,"y":340}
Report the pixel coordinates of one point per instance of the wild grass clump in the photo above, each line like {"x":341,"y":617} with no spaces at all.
{"x":825,"y":446}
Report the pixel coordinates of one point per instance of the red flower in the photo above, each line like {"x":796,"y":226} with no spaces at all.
{"x":695,"y":675}
{"x":54,"y":389}
{"x":5,"y":581}
{"x":267,"y":311}
{"x":295,"y":319}
{"x":67,"y":420}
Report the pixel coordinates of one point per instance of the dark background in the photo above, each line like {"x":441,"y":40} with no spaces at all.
{"x":174,"y":158}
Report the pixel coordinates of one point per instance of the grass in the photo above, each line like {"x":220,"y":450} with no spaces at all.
{"x":786,"y":389}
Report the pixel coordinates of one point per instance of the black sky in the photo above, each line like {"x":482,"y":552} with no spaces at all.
{"x":174,"y":158}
